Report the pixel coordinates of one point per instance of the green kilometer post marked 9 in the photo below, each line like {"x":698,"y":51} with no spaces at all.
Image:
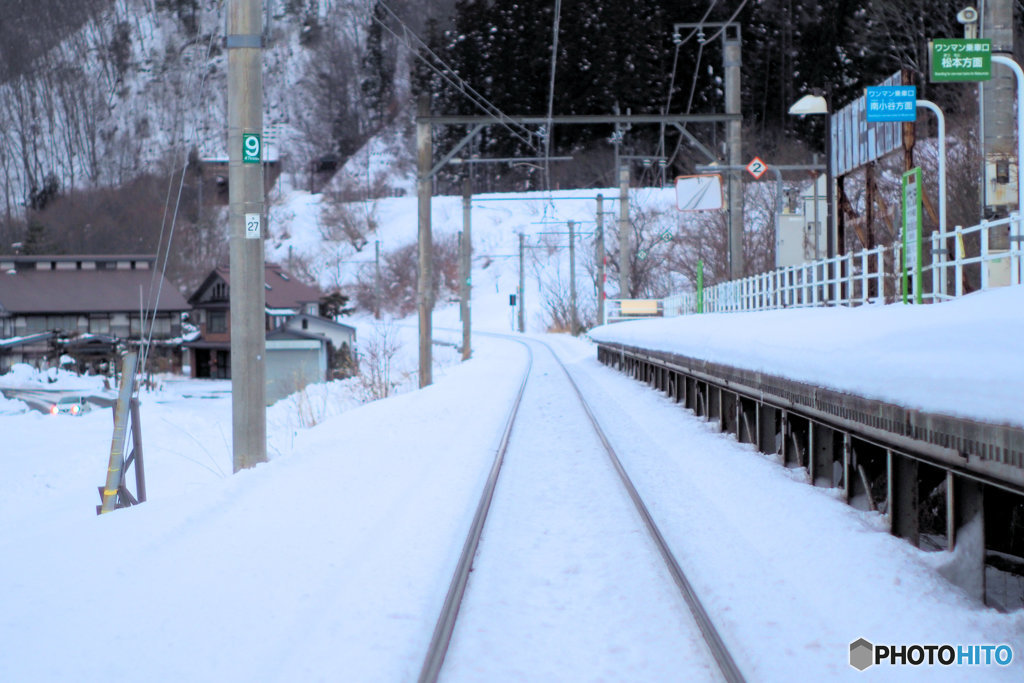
{"x":252,"y":148}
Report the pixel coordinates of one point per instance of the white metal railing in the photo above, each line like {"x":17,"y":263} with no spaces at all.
{"x":997,"y":267}
{"x":874,"y":275}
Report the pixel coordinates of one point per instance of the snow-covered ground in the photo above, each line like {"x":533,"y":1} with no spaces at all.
{"x":331,"y":561}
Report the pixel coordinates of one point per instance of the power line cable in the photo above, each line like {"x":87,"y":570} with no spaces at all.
{"x":675,"y":59}
{"x":450,"y":75}
{"x":153,"y":302}
{"x":672,"y":82}
{"x":727,"y":22}
{"x":702,"y":41}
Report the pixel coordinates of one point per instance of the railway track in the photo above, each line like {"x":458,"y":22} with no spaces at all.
{"x":535,"y":399}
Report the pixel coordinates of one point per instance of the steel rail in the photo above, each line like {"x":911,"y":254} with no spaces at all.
{"x":445,"y":627}
{"x":442,"y":636}
{"x":714,"y":641}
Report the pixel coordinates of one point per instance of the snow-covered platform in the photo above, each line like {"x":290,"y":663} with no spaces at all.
{"x":963,"y":358}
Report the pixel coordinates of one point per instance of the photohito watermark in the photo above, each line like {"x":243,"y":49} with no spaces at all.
{"x":864,"y":654}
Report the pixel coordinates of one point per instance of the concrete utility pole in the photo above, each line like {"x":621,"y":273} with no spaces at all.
{"x":733,"y":61}
{"x":522,"y":283}
{"x":599,"y":257}
{"x":424,"y":298}
{"x":625,"y":251}
{"x":246,"y":219}
{"x":466,"y":267}
{"x":573,"y":323}
{"x":998,"y":106}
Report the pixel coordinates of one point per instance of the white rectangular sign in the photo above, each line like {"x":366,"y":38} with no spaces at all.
{"x":699,"y":192}
{"x":252,"y":226}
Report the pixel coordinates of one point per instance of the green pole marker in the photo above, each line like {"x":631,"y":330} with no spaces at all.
{"x":912,"y":229}
{"x":700,"y":286}
{"x":252,"y":148}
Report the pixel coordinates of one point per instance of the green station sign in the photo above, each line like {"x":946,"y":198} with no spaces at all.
{"x":251,"y":148}
{"x":961,"y":59}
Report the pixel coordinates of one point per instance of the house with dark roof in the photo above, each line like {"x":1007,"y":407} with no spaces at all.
{"x":302,"y":347}
{"x":62,"y":304}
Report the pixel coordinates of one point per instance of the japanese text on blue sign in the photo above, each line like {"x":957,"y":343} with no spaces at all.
{"x":891,"y":103}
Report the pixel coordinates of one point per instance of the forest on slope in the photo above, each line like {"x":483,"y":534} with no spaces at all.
{"x":109,"y":109}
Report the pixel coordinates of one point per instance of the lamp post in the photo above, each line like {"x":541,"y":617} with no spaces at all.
{"x":816,"y":104}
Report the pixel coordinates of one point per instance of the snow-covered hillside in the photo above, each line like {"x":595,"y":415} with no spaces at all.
{"x":142,"y":84}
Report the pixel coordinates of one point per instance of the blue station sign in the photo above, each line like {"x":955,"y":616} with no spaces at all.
{"x":891,"y":103}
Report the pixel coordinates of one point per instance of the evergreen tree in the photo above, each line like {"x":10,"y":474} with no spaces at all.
{"x":40,"y":197}
{"x":37,"y":239}
{"x":379,"y":65}
{"x":334,"y":305}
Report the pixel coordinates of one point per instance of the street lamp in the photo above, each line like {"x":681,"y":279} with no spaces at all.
{"x":816,"y":104}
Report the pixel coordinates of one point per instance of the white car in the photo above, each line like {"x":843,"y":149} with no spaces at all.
{"x":71,"y":405}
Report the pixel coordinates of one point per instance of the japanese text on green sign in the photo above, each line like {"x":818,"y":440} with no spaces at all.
{"x":961,"y":59}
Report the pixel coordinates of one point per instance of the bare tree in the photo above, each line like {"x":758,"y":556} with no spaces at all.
{"x":398,"y":284}
{"x":556,"y":299}
{"x":377,"y":361}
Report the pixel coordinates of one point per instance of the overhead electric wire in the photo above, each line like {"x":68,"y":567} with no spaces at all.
{"x":727,"y":22}
{"x":450,"y":75}
{"x":153,"y":301}
{"x":702,"y":41}
{"x":672,"y":83}
{"x":675,"y":59}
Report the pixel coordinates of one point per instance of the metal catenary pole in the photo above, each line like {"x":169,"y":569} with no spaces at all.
{"x":625,"y":252}
{"x":424,"y":150}
{"x":573,"y":322}
{"x":600,"y":260}
{"x":246,"y":218}
{"x":522,"y":283}
{"x":466,"y":265}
